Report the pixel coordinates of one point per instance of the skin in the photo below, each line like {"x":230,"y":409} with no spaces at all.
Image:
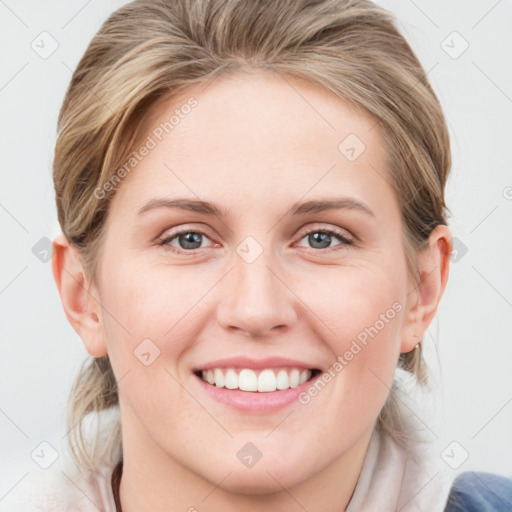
{"x":254,"y":146}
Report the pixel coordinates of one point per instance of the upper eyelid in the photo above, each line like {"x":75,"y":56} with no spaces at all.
{"x":205,"y":231}
{"x":333,"y":230}
{"x":170,"y":236}
{"x":345,"y":238}
{"x":177,"y":230}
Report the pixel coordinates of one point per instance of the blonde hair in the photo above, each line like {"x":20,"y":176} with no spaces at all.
{"x":149,"y":51}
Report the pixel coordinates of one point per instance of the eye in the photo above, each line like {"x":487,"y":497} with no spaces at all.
{"x":187,"y":241}
{"x":322,"y":238}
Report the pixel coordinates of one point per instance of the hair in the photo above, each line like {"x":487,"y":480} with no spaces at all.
{"x":149,"y":51}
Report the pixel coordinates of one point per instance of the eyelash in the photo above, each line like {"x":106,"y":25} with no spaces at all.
{"x":165,"y":242}
{"x":338,"y":234}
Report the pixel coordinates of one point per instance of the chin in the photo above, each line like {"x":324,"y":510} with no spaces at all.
{"x":257,"y":482}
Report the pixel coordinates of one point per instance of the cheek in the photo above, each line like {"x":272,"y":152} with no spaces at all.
{"x":151,"y":312}
{"x":362,"y":318}
{"x":358,"y":304}
{"x":148,"y":299}
{"x":154,"y":317}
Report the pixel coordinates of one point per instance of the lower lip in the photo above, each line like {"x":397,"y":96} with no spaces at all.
{"x":254,"y":401}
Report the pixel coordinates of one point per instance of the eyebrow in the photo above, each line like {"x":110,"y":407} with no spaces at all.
{"x":304,"y":208}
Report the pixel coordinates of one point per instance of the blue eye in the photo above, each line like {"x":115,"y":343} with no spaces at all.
{"x":322,"y":238}
{"x":188,"y":240}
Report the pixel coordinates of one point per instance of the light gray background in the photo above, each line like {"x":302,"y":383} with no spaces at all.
{"x":40,"y":350}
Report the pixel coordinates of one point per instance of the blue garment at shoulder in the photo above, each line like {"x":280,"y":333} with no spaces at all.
{"x":476,"y":491}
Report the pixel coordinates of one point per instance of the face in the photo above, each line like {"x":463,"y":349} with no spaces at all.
{"x":273,"y":273}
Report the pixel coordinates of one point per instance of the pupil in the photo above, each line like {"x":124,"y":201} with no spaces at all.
{"x":190,"y":238}
{"x":324,"y":238}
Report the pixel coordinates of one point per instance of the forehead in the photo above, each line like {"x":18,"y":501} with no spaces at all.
{"x":284,"y":113}
{"x":263,"y":134}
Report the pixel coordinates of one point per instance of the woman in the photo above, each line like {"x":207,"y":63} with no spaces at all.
{"x":254,"y":242}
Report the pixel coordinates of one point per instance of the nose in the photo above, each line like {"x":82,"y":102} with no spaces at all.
{"x":256,"y":300}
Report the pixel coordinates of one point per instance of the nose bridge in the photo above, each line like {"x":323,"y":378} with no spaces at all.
{"x":255,"y":298}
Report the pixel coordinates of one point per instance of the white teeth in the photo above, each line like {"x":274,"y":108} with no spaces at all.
{"x":294,"y":378}
{"x":282,"y":380}
{"x":267,"y":381}
{"x":303,"y":377}
{"x":219,"y":377}
{"x":231,"y":381}
{"x":247,"y":380}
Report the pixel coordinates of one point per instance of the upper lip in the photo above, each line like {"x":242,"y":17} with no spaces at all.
{"x":256,"y":364}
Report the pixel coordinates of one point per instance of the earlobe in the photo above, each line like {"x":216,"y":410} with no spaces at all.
{"x":425,"y":296}
{"x":79,"y":299}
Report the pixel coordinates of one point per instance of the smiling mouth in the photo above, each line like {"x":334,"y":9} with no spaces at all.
{"x":261,"y":381}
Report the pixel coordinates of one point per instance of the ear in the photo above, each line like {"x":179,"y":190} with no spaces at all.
{"x":425,"y":295}
{"x":79,"y":299}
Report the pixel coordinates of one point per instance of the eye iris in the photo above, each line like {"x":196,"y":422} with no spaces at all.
{"x":322,"y":238}
{"x":190,"y":238}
